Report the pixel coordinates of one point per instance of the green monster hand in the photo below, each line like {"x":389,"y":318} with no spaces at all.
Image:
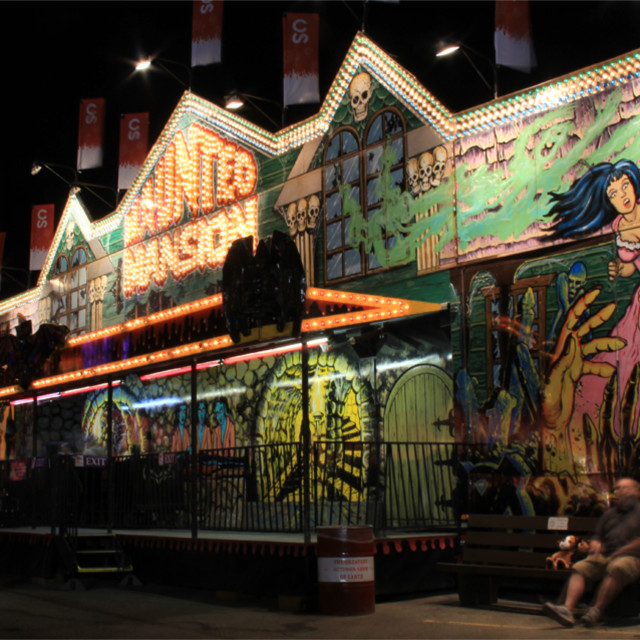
{"x":568,"y":364}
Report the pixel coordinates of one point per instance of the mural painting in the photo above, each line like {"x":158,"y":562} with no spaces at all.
{"x":249,"y":419}
{"x":562,"y":421}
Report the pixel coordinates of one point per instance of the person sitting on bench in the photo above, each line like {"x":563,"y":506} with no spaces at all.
{"x":614,"y":558}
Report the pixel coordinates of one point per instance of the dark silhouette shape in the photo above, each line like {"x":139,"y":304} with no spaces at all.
{"x":23,"y":355}
{"x":268,"y":288}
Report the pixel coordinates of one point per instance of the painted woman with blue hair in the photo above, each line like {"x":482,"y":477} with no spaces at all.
{"x":607,"y":194}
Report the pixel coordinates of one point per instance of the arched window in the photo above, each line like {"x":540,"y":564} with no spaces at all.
{"x":385,"y":133}
{"x":359,"y":171}
{"x":342,"y":167}
{"x":69,"y":296}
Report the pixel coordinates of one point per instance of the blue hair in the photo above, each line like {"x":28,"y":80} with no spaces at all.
{"x":585,"y":206}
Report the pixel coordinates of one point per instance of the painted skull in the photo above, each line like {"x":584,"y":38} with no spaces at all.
{"x":290,"y":217}
{"x":360,"y":94}
{"x":68,"y":235}
{"x":413,"y":176}
{"x":302,"y":215}
{"x":92,"y":292}
{"x":314,"y":211}
{"x":439,"y":164}
{"x":577,"y":280}
{"x":426,"y":170}
{"x":101,"y":286}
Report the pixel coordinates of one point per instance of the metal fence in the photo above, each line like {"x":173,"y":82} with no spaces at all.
{"x":263,"y":488}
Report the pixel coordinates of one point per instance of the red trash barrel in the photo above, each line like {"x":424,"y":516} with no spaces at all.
{"x":346,"y":581}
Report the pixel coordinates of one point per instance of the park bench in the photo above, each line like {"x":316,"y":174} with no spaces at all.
{"x":512,"y":550}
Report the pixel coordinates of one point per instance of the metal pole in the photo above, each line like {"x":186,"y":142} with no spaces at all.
{"x":33,"y":426}
{"x":194,"y":451}
{"x":110,"y":479}
{"x":378,"y":495}
{"x":306,"y":443}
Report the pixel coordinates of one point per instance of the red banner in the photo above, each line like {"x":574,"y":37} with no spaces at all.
{"x":42,"y":229}
{"x":134,"y":144}
{"x":206,"y":32}
{"x":513,"y":43}
{"x":300,"y":39}
{"x":91,"y":133}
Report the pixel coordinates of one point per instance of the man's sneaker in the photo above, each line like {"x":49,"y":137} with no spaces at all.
{"x":592,"y":617}
{"x":560,"y":613}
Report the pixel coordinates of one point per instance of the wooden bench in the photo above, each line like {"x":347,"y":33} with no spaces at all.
{"x":496,"y":547}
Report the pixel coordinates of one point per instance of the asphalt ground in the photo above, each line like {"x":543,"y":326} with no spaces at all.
{"x":104,"y":610}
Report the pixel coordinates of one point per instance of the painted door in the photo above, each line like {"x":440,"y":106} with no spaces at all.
{"x":418,"y":438}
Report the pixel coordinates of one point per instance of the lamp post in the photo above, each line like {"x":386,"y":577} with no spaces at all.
{"x":37,"y":167}
{"x":236,"y":99}
{"x":448,"y":49}
{"x":147,"y":63}
{"x":74,"y":185}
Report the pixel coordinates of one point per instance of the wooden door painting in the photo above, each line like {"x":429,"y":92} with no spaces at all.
{"x":419,"y":480}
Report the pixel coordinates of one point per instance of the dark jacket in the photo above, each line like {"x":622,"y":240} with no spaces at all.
{"x":619,"y":526}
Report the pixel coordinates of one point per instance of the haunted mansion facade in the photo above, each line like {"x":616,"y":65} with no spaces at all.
{"x":465,"y":285}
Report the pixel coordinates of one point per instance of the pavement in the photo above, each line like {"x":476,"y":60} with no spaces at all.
{"x":104,"y":610}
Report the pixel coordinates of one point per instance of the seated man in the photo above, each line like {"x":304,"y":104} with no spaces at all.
{"x":614,"y":558}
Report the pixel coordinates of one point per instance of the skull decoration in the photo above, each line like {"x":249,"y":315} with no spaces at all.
{"x":92,"y":292}
{"x":360,"y":94}
{"x":101,"y":287}
{"x":577,"y":280}
{"x":290,"y":218}
{"x":439,"y":164}
{"x":68,"y":235}
{"x":426,"y":170}
{"x":314,"y":212}
{"x":413,"y":176}
{"x":302,"y":215}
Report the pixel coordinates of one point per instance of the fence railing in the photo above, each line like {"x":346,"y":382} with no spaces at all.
{"x":261,"y":488}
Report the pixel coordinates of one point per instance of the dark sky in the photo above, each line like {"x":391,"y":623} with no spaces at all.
{"x":67,"y":51}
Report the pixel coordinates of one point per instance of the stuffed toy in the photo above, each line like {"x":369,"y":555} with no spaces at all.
{"x":582,"y":550}
{"x":563,"y":559}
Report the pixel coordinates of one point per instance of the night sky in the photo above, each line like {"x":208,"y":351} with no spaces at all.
{"x":67,"y":51}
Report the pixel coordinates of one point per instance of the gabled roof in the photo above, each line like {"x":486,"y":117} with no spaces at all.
{"x":74,"y":211}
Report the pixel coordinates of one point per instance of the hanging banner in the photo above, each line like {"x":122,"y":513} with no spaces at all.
{"x":42,"y":230}
{"x":134,"y":144}
{"x":91,"y":133}
{"x":300,"y":40}
{"x":206,"y":32}
{"x":513,"y":42}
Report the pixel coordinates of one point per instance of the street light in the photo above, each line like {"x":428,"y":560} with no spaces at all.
{"x":74,"y":185}
{"x":37,"y":167}
{"x":236,"y":99}
{"x":147,"y":63}
{"x":448,"y":49}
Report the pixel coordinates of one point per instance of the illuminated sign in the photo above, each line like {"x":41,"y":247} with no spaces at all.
{"x":211,"y":177}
